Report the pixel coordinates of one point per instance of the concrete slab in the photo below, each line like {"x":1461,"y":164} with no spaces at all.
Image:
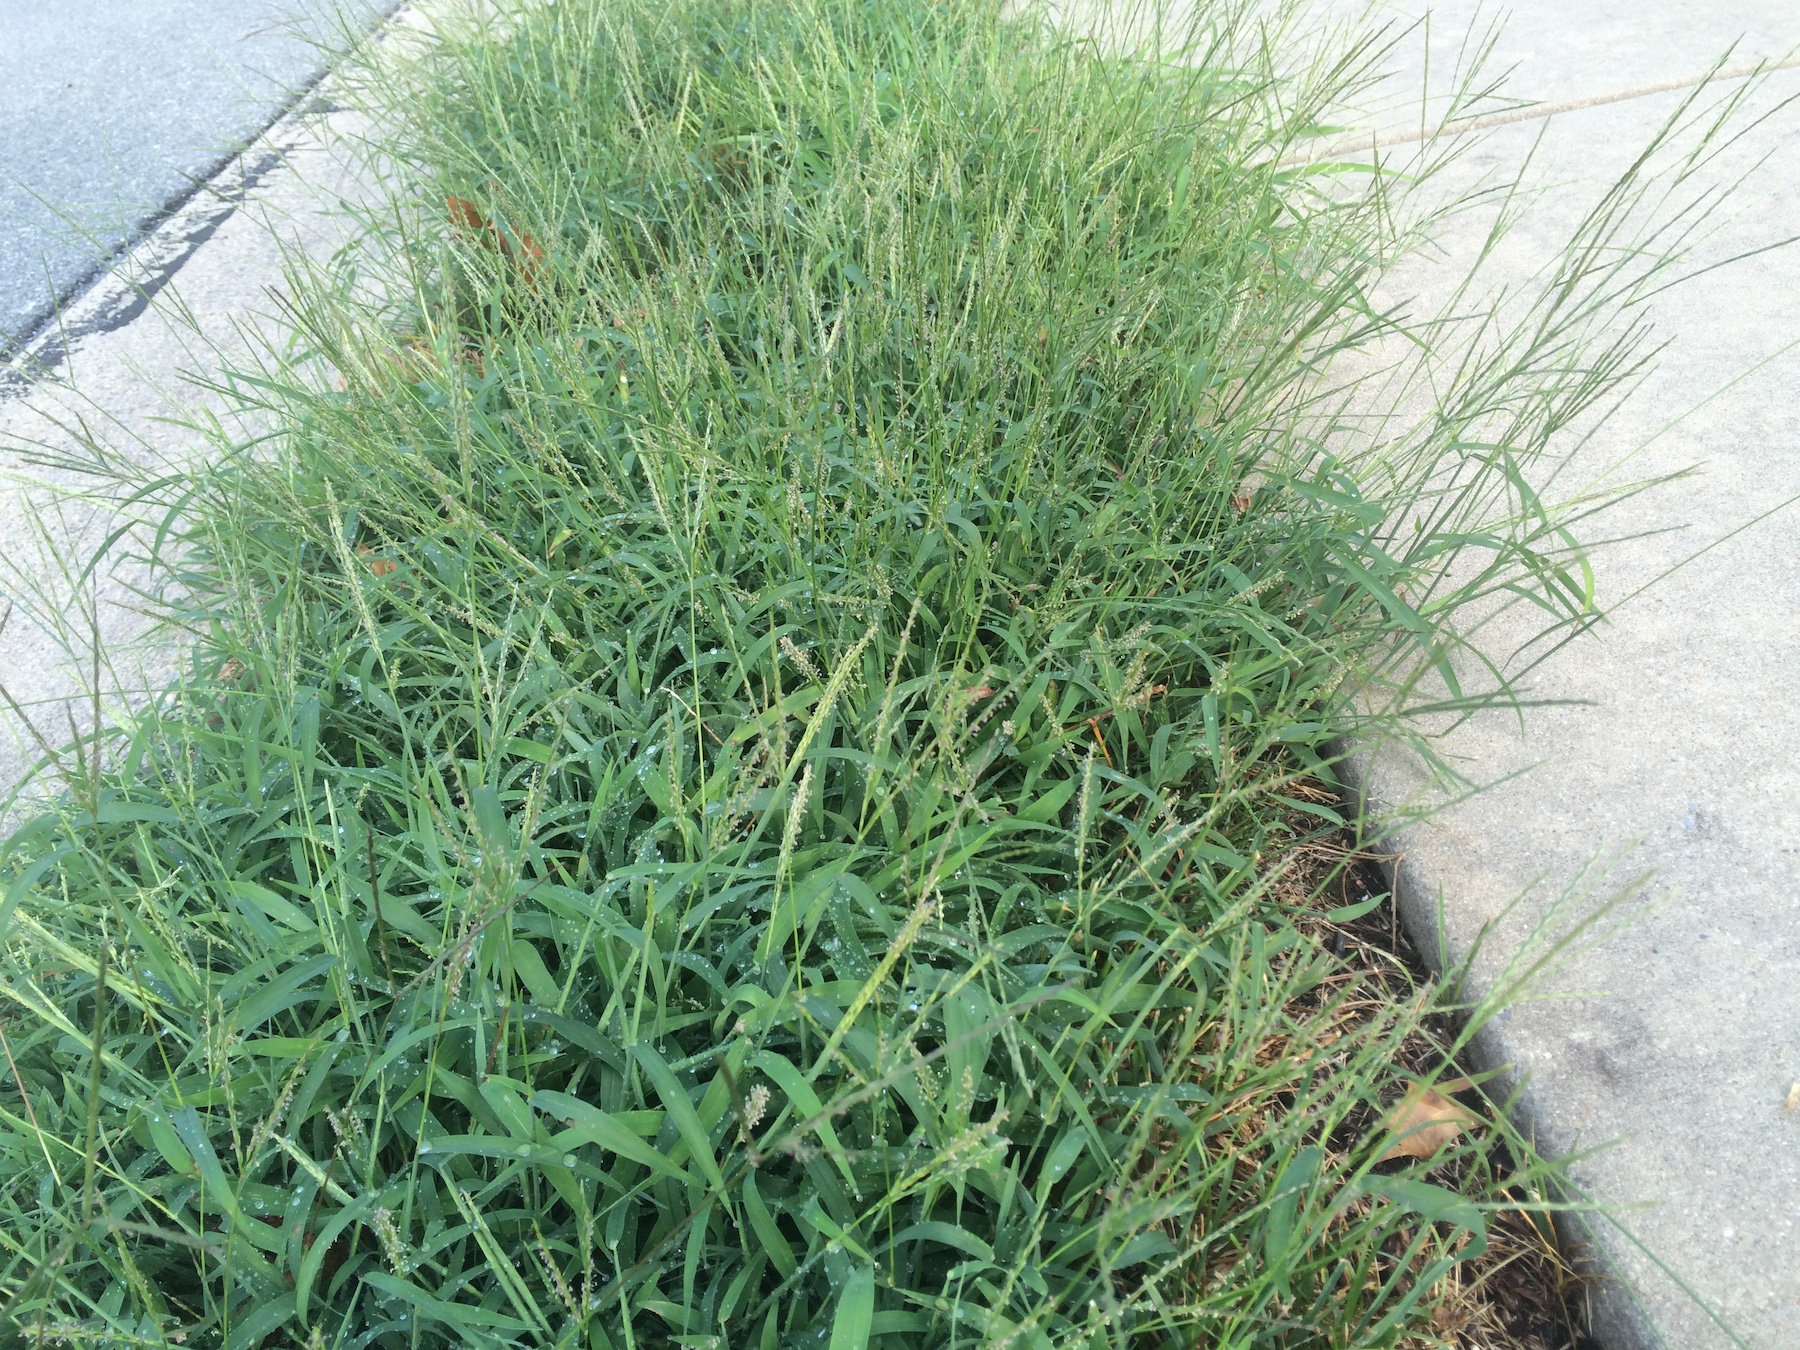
{"x":1671,"y":1046}
{"x":114,"y":113}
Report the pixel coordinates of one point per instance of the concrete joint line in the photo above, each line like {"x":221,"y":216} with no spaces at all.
{"x":1542,"y":111}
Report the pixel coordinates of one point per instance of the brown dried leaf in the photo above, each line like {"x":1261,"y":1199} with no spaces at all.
{"x":531,"y":255}
{"x":1426,"y":1119}
{"x":464,"y":214}
{"x":381,"y":567}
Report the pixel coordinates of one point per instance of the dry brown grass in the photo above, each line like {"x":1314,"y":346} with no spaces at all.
{"x":1526,"y":1291}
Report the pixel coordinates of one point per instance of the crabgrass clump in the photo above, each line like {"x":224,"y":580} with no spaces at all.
{"x":731,"y":781}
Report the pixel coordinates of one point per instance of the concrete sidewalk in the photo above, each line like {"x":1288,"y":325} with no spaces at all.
{"x":1670,"y":1047}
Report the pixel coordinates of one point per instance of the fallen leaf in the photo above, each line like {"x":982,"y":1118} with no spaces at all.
{"x":464,"y":213}
{"x":527,"y":255}
{"x":1793,"y":1098}
{"x":381,"y":567}
{"x":1240,"y":501}
{"x":1426,"y":1119}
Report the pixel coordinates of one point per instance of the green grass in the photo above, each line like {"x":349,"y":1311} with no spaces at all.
{"x":747,"y":722}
